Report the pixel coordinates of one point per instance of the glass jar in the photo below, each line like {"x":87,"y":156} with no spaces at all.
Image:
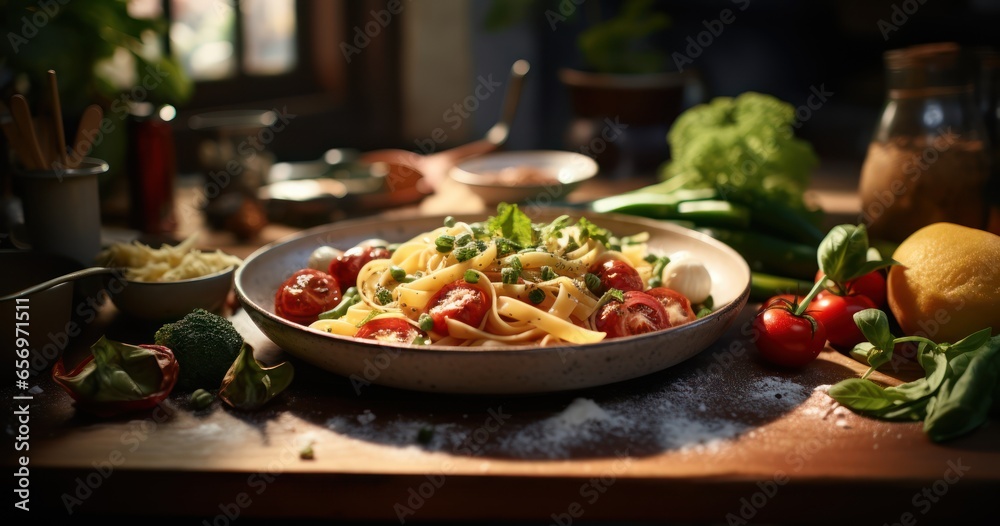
{"x":928,"y":160}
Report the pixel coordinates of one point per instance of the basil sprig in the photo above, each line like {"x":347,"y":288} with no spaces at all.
{"x":960,"y":385}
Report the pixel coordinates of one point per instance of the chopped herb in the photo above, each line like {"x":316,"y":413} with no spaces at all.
{"x":704,"y":311}
{"x":479,"y":231}
{"x":650,"y":258}
{"x":449,"y":221}
{"x":383,"y":296}
{"x":471,"y":276}
{"x":536,"y":296}
{"x":467,"y":252}
{"x":506,"y":246}
{"x":515,"y":263}
{"x":511,"y":223}
{"x":616,"y":294}
{"x":445,"y":243}
{"x":463,"y":240}
{"x":307,"y":452}
{"x":508,"y":276}
{"x":425,"y":322}
{"x":589,"y":230}
{"x":593,"y":283}
{"x":371,"y":315}
{"x":554,"y":229}
{"x":572,"y":245}
{"x":656,"y":279}
{"x":548,"y":273}
{"x":397,"y":273}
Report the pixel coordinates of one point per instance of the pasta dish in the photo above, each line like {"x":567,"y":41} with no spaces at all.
{"x":503,"y":281}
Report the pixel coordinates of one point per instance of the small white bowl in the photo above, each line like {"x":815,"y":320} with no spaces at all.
{"x":540,"y":176}
{"x":164,"y":301}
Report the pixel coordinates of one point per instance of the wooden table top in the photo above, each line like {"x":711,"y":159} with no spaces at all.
{"x":721,"y":438}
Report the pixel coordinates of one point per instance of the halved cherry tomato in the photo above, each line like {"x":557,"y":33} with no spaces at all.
{"x":617,"y":274}
{"x":390,"y":330}
{"x":459,"y":301}
{"x":639,"y":313}
{"x":346,"y":266}
{"x":786,"y":339}
{"x":836,"y":313}
{"x":677,"y":305}
{"x":871,"y":284}
{"x":305,"y":294}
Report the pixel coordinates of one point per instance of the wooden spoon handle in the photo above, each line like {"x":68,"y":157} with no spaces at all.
{"x":14,"y":138}
{"x":90,"y":121}
{"x":22,"y":116}
{"x":57,"y":118}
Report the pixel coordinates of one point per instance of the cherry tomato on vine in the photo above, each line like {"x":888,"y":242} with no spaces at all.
{"x":459,"y":301}
{"x":836,"y":313}
{"x":346,"y":266}
{"x":305,"y":294}
{"x":617,"y":274}
{"x":390,"y":330}
{"x":639,"y":313}
{"x":871,"y":285}
{"x":786,"y":339}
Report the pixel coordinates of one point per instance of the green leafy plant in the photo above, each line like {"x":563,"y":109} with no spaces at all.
{"x":97,"y":48}
{"x":617,"y":44}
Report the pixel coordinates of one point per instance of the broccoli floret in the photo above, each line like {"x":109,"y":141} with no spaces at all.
{"x":205,"y":345}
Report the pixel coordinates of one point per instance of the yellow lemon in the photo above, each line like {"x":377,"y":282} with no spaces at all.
{"x":947,"y":285}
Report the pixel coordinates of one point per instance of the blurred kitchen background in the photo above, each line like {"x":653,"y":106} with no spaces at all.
{"x":310,"y":76}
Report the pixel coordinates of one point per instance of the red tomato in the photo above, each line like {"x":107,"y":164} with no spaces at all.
{"x":347,"y":265}
{"x":639,"y":313}
{"x":871,"y":284}
{"x":459,"y":301}
{"x":390,"y":330}
{"x":304,"y":295}
{"x":836,"y":313}
{"x":678,"y":307}
{"x":617,"y":274}
{"x":786,"y":339}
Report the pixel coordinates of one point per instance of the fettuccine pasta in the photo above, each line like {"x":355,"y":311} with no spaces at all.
{"x":508,"y":281}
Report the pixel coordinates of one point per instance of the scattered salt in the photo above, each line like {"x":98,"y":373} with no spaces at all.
{"x":366,"y":418}
{"x":681,"y":414}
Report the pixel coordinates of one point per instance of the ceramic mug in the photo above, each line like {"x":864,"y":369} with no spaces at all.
{"x":62,"y":212}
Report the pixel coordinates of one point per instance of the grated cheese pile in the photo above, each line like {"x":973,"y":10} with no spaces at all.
{"x":167,"y":263}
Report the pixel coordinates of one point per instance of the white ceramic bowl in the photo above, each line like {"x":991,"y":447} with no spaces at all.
{"x":515,"y":369}
{"x":541,"y":176}
{"x":170,"y":300}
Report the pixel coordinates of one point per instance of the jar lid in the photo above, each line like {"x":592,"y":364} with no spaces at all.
{"x":927,"y":65}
